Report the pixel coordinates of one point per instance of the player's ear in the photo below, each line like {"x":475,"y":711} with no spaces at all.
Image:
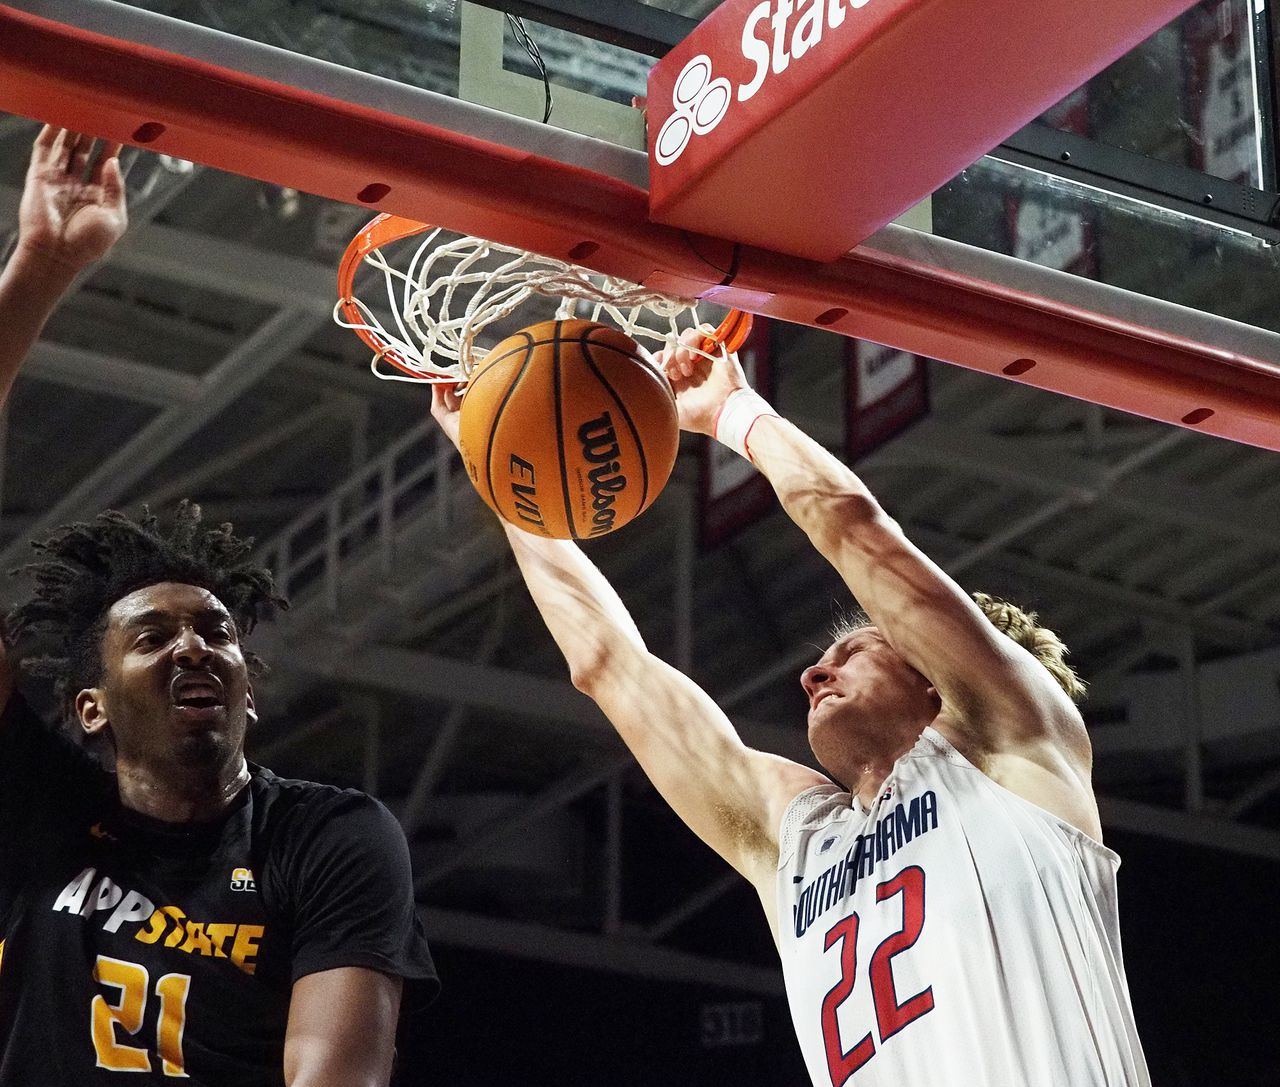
{"x":250,"y":714}
{"x":91,"y":709}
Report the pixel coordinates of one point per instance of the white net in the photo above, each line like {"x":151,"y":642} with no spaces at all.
{"x":455,"y":289}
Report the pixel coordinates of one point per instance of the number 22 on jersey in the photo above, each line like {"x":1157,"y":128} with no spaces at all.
{"x":891,"y":1016}
{"x":128,"y":1013}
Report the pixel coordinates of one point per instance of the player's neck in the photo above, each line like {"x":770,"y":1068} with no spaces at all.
{"x":868,"y":782}
{"x":192,"y":796}
{"x":871,"y":762}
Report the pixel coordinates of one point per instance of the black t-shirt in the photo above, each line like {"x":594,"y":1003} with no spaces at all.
{"x":137,"y":952}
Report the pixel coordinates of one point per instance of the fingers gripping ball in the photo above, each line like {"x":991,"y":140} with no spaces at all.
{"x":567,"y":431}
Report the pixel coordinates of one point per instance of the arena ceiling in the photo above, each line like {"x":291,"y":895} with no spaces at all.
{"x":201,"y":360}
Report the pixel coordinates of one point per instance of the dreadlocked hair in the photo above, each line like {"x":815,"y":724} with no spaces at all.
{"x":86,"y":567}
{"x":1021,"y":626}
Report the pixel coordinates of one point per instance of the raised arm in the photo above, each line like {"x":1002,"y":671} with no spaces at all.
{"x":993,"y":691}
{"x":730,"y":795}
{"x":70,"y":215}
{"x":72,"y":212}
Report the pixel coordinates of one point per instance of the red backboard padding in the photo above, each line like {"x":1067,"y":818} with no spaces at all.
{"x":224,"y":117}
{"x":814,"y":135}
{"x":184,"y":106}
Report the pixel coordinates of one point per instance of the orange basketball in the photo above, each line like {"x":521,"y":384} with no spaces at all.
{"x":567,"y":431}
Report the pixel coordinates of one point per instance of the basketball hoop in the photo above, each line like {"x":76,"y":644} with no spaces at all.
{"x":452,"y":290}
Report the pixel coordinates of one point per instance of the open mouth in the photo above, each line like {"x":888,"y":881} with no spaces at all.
{"x":196,"y":691}
{"x":818,"y":701}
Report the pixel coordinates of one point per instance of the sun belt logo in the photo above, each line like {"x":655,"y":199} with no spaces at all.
{"x":700,"y":104}
{"x":242,"y":880}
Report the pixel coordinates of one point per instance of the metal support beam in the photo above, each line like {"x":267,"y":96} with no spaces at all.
{"x":99,"y":373}
{"x":1102,"y":682}
{"x":1121,"y":486}
{"x":1227,"y":630}
{"x":464,"y":603}
{"x":554,"y":702}
{"x":1192,"y":829}
{"x":296,"y":735}
{"x":228,"y":268}
{"x":790,"y":665}
{"x":188,"y":482}
{"x":431,"y":676}
{"x":543,"y":943}
{"x":628,"y":24}
{"x":1192,"y":726}
{"x":437,"y":757}
{"x":214,"y":264}
{"x":691,"y":906}
{"x":1107,"y":480}
{"x":1262,"y":788}
{"x":272,"y":341}
{"x":525,"y":811}
{"x":368,"y":711}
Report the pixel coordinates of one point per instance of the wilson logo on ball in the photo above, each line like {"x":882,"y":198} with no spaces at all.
{"x":571,"y":430}
{"x":600,"y":447}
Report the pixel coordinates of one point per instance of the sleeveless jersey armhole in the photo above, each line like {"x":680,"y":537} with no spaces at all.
{"x":798,"y":813}
{"x":1084,"y":843}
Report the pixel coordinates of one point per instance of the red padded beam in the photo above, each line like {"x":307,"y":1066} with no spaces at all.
{"x":239,"y":122}
{"x":803,"y":126}
{"x":1005,"y":332}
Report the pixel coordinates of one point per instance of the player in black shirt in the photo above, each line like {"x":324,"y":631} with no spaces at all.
{"x":187,"y":915}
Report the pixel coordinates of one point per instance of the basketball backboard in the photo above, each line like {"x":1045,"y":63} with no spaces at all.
{"x":297,"y":120}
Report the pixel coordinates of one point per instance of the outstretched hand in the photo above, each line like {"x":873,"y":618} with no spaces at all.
{"x":700,"y":384}
{"x":446,"y":404}
{"x":72,"y":212}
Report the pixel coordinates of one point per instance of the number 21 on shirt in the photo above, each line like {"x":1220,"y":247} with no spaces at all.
{"x":128,"y":1012}
{"x":891,"y":1015}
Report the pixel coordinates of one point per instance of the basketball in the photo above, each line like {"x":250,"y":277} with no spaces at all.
{"x":567,"y":431}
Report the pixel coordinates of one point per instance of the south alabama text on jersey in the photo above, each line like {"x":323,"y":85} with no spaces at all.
{"x":889,"y":833}
{"x":955,"y":934}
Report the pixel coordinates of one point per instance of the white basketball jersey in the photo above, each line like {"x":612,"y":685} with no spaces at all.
{"x":956,"y":934}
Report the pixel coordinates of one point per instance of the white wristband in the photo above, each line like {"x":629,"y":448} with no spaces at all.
{"x":737,"y":415}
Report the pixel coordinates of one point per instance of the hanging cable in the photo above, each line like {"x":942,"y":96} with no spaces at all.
{"x":530,"y":46}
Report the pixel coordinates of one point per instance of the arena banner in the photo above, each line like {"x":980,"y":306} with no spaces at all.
{"x":886,"y":99}
{"x":885,"y":392}
{"x":1045,"y":227}
{"x":1221,"y":93}
{"x":733,"y":493}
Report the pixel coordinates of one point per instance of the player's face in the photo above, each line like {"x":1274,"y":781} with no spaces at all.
{"x":175,"y":689}
{"x":860,"y":685}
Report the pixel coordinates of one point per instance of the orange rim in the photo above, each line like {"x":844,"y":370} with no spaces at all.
{"x":384,"y":229}
{"x":379,"y":231}
{"x":732,"y":332}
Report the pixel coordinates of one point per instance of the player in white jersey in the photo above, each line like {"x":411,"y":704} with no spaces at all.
{"x":946,"y":913}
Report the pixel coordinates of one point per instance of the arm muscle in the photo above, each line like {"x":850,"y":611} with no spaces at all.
{"x":730,"y":795}
{"x":342,"y":1029}
{"x":991,"y":686}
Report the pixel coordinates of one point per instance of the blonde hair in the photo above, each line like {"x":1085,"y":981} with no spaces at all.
{"x":1021,"y":626}
{"x":1041,"y":642}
